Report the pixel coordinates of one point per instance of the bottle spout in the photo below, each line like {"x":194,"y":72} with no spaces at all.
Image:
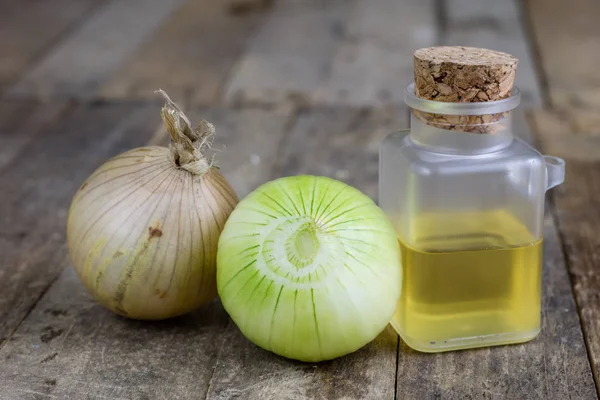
{"x":555,"y":171}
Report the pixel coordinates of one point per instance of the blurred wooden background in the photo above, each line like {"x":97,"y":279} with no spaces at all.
{"x":293,"y":86}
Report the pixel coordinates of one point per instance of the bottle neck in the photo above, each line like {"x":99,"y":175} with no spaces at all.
{"x":462,"y":141}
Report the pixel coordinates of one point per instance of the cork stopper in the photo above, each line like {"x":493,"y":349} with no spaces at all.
{"x":463,"y":74}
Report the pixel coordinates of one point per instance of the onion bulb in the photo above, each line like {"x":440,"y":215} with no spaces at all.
{"x":143,"y":229}
{"x":309,"y":268}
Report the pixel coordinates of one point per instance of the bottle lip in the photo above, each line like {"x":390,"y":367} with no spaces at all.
{"x":471,"y":108}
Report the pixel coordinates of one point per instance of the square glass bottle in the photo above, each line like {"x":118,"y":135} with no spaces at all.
{"x":466,"y":198}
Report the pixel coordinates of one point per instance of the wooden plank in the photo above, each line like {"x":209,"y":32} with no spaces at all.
{"x":20,"y":123}
{"x":51,"y":20}
{"x":246,"y":372}
{"x":572,"y":132}
{"x":552,"y":366}
{"x":495,"y":25}
{"x":70,"y":347}
{"x":190,"y":56}
{"x":37,"y":187}
{"x":249,"y":142}
{"x":238,"y":7}
{"x":576,"y":205}
{"x":342,"y":144}
{"x":290,"y":55}
{"x":374,"y":62}
{"x":567,"y":37}
{"x":83,"y":62}
{"x":563,"y":133}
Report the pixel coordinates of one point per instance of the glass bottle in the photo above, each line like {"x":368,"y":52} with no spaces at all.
{"x":468,"y":209}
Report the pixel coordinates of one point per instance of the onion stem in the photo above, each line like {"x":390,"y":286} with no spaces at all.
{"x":187,"y":144}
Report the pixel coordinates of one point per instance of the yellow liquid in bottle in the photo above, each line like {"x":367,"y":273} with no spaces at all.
{"x":469,"y":280}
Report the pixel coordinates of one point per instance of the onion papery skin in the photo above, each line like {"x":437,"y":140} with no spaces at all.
{"x":309,"y":268}
{"x":142,"y":234}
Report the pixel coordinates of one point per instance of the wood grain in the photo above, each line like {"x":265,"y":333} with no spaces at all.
{"x":239,"y":7}
{"x":246,"y":372}
{"x":343,"y":144}
{"x":36,"y":190}
{"x":374,"y":60}
{"x":88,"y":57}
{"x":560,"y":133}
{"x":20,"y":123}
{"x":576,"y":207}
{"x":19,"y":46}
{"x":495,"y":25}
{"x":69,"y":346}
{"x":552,"y":366}
{"x":288,"y":58}
{"x":569,"y":57}
{"x":190,"y":56}
{"x":567,"y":36}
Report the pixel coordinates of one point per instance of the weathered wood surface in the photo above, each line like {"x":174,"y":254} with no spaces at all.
{"x":20,"y":46}
{"x":373,"y":63}
{"x":239,"y":7}
{"x":567,"y":36}
{"x":570,"y":130}
{"x":343,"y":144}
{"x":37,"y":185}
{"x":70,"y":347}
{"x":81,"y":63}
{"x":345,"y":63}
{"x":356,"y":53}
{"x":246,"y":372}
{"x":190,"y":56}
{"x":20,"y":123}
{"x":576,"y":205}
{"x":289,"y":56}
{"x":495,"y":25}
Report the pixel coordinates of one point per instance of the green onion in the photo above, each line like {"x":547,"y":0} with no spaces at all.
{"x":309,"y":268}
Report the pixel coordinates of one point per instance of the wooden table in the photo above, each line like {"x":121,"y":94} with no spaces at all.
{"x":307,"y":86}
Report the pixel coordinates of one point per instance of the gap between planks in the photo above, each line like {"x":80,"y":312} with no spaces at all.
{"x":575,"y":205}
{"x":586,"y":335}
{"x":79,"y":65}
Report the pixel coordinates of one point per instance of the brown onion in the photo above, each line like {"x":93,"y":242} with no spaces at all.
{"x":143,"y":229}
